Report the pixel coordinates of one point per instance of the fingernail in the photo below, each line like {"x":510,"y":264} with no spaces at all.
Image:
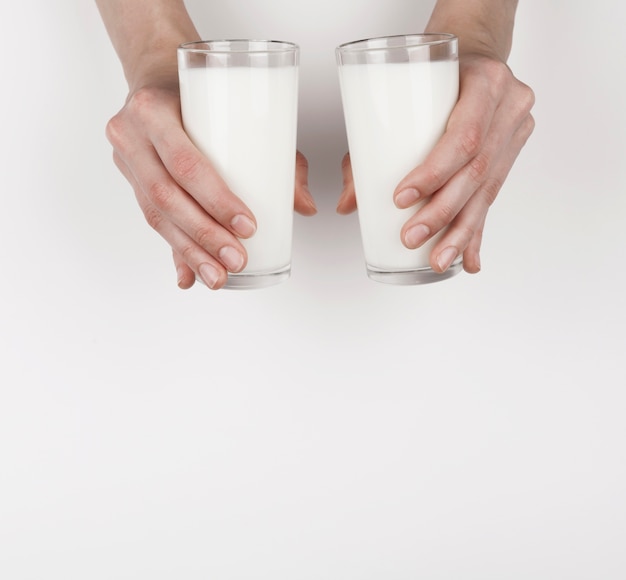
{"x":180,"y":273}
{"x":232,"y":259}
{"x":209,"y":275}
{"x":310,"y":199}
{"x":243,"y":225}
{"x":407,"y":197}
{"x":341,"y":200}
{"x":446,"y":258}
{"x":416,"y":235}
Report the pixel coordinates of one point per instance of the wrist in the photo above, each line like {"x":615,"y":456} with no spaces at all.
{"x":145,"y":35}
{"x":483,"y":27}
{"x":155,"y":69}
{"x":155,"y":62}
{"x":473,"y":41}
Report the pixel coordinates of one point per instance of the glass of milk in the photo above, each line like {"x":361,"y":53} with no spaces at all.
{"x":397,"y":94}
{"x":239,"y":107}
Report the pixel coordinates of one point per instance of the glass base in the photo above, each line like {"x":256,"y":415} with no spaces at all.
{"x":245,"y":281}
{"x":413,"y":277}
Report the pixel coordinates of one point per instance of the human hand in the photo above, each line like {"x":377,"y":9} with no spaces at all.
{"x":179,"y":192}
{"x":464,"y":173}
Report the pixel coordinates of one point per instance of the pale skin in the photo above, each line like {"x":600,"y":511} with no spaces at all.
{"x":190,"y":206}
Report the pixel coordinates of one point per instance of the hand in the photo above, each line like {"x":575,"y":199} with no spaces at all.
{"x":466,"y":169}
{"x":181,"y":195}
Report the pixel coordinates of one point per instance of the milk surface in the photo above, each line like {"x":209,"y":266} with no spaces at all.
{"x":244,"y":120}
{"x":394,"y":115}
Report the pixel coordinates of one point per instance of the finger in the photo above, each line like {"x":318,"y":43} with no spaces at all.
{"x":210,"y":263}
{"x":303,"y":200}
{"x":347,"y":200}
{"x":464,"y":235}
{"x":188,"y":255}
{"x":163,"y":203}
{"x":194,"y":173}
{"x":185,"y":275}
{"x":471,"y":255}
{"x":461,"y":142}
{"x":213,"y":273}
{"x":445,"y":204}
{"x":193,"y":261}
{"x":191,"y":170}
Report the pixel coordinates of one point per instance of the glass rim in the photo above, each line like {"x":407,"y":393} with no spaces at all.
{"x":194,"y":46}
{"x":432,"y":39}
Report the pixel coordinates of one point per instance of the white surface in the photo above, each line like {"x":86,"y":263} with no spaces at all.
{"x":330,"y":427}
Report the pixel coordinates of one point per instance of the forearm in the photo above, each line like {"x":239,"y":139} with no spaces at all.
{"x":145,"y":34}
{"x":483,"y":26}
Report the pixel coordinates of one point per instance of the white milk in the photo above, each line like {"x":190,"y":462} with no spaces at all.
{"x":394,"y":114}
{"x":244,"y":120}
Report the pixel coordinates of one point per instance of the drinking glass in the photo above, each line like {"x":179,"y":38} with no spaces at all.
{"x":239,"y":107}
{"x":397,"y":95}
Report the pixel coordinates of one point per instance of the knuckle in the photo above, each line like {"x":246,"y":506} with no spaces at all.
{"x":445,"y":213}
{"x":115,"y":130}
{"x":527,"y":97}
{"x":478,"y":168}
{"x":433,"y":177}
{"x":205,"y":237}
{"x":153,"y":217}
{"x":160,"y":195}
{"x":187,"y":253}
{"x":217,"y":201}
{"x":471,"y":141}
{"x":491,"y":189}
{"x":530,"y":125}
{"x":185,"y":165}
{"x":525,"y":131}
{"x":524,"y":101}
{"x":465,"y":233}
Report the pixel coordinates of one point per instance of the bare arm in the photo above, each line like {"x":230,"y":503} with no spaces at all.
{"x":145,"y":35}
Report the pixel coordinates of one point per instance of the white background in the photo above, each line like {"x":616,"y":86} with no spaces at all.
{"x":330,"y":427}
